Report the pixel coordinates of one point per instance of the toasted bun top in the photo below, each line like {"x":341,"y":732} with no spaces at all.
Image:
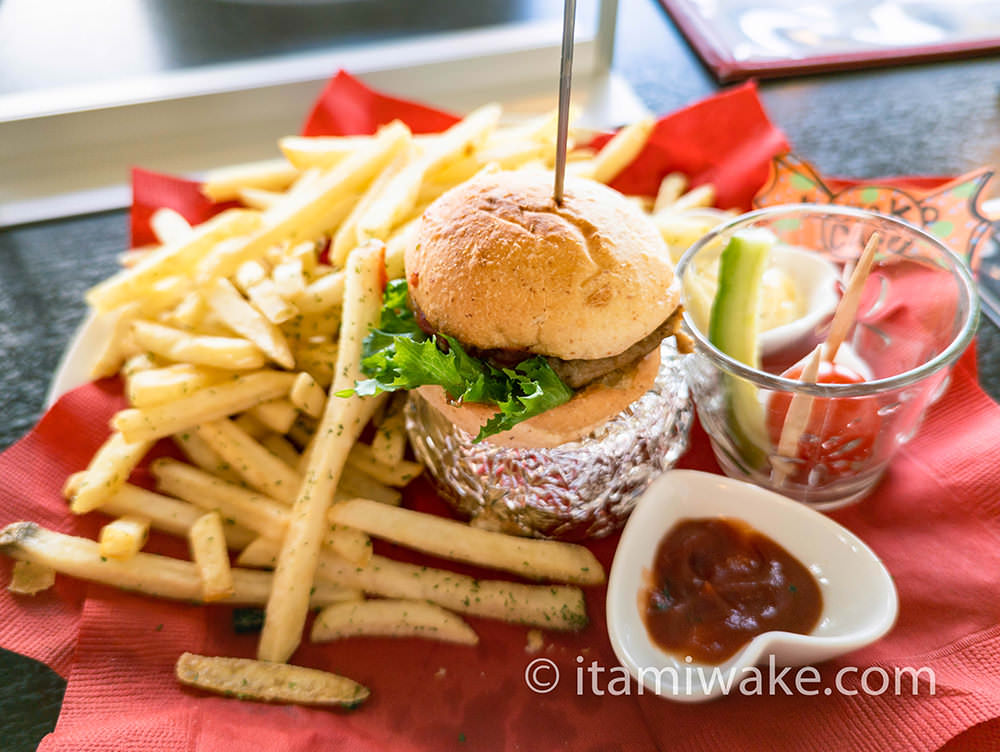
{"x":498,"y":265}
{"x":589,"y":408}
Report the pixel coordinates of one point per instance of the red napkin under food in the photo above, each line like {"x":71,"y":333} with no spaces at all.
{"x":934,"y":521}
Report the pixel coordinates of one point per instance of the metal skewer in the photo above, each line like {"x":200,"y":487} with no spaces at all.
{"x":565,"y":78}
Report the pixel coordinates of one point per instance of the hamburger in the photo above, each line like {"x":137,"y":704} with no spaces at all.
{"x":525,"y":324}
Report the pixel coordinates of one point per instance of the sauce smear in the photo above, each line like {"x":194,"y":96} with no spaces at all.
{"x":717,"y":583}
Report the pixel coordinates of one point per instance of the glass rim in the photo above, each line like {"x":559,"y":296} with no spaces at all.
{"x":959,"y":269}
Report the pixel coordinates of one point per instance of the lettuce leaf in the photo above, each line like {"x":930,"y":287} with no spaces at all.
{"x":398,"y":354}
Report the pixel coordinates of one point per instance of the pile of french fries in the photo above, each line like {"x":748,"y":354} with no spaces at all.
{"x":231,"y":337}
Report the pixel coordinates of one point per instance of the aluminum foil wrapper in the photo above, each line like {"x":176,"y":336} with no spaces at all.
{"x":582,"y":489}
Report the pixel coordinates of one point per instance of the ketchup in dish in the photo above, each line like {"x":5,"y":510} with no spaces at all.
{"x":716,"y":583}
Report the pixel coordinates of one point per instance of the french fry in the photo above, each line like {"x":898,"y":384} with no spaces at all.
{"x":395,"y":248}
{"x":679,"y":230}
{"x":141,"y":362}
{"x":356,"y":484}
{"x":307,"y":180}
{"x":703,"y":195}
{"x":224,"y":183}
{"x":560,"y":607}
{"x":208,"y":550}
{"x":251,"y":426}
{"x":378,"y":404}
{"x":307,"y":214}
{"x":307,"y":396}
{"x":29,"y":578}
{"x":347,"y":236}
{"x":264,"y":515}
{"x":174,"y":258}
{"x":319,"y":151}
{"x":317,"y":360}
{"x":580,"y":154}
{"x":249,"y":274}
{"x":169,"y":226}
{"x":164,"y":294}
{"x":156,"y":386}
{"x":391,"y":618}
{"x":131,"y":257}
{"x":389,"y":443}
{"x":289,"y":279}
{"x":108,"y":470}
{"x":552,"y":607}
{"x":349,"y":544}
{"x":248,"y":679}
{"x":201,"y":455}
{"x":116,"y":349}
{"x":207,"y":404}
{"x":325,"y":293}
{"x":619,"y":152}
{"x":307,"y":255}
{"x":400,"y":195}
{"x":247,"y":321}
{"x":72,"y":484}
{"x":189,"y":313}
{"x":281,"y":448}
{"x":309,"y":329}
{"x":278,"y":414}
{"x":254,"y":463}
{"x":147,"y":574}
{"x":671,"y":187}
{"x":341,"y":425}
{"x":450,"y":175}
{"x":124,"y":537}
{"x":233,"y":353}
{"x":510,"y":155}
{"x":260,"y":553}
{"x":361,"y":458}
{"x":645,"y":203}
{"x":258,"y":198}
{"x":169,"y":515}
{"x":528,"y":557}
{"x":264,"y":296}
{"x":301,"y":433}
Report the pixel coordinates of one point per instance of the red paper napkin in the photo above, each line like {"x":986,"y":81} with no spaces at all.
{"x":934,"y":521}
{"x":725,"y":139}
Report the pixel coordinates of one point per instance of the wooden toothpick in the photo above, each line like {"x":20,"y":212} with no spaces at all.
{"x":796,"y":420}
{"x":797,"y":417}
{"x":847,"y":309}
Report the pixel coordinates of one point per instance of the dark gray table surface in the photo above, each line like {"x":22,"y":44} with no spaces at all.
{"x":931,"y":119}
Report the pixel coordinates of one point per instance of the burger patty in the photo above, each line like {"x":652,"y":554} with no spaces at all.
{"x":577,"y":374}
{"x":580,"y":372}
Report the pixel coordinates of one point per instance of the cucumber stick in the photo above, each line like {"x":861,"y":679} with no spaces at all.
{"x":733,"y":329}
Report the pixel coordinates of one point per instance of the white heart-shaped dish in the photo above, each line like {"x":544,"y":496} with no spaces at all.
{"x":860,"y":603}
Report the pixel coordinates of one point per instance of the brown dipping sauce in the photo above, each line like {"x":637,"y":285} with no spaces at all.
{"x":716,"y":583}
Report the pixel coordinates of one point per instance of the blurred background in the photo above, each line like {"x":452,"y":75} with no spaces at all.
{"x":49,"y":45}
{"x":88,"y":89}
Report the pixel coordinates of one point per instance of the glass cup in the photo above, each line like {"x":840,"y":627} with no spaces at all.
{"x":918,"y":313}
